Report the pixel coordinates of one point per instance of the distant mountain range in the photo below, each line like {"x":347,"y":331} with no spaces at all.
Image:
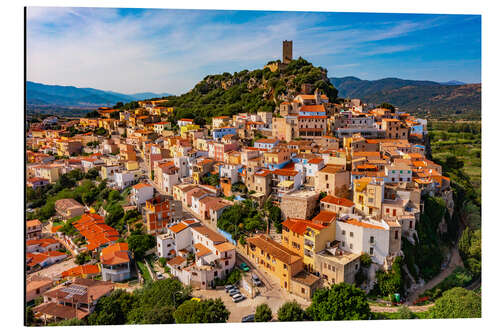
{"x":414,"y":96}
{"x":43,"y":95}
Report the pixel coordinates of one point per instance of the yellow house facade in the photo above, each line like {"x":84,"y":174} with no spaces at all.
{"x":274,"y":259}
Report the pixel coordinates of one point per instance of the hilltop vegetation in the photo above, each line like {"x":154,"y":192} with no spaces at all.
{"x":248,"y":91}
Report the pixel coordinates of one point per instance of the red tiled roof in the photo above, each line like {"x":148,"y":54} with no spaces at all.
{"x":325,"y":216}
{"x":313,"y":108}
{"x":176,"y":261}
{"x":285,"y":172}
{"x":81,"y":270}
{"x":315,"y":161}
{"x":115,"y":254}
{"x":337,"y":201}
{"x":178,"y":227}
{"x":95,"y":230}
{"x":141,"y":185}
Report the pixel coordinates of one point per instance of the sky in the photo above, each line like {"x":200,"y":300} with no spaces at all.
{"x":169,"y":51}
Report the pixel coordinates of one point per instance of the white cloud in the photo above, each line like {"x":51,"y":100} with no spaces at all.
{"x":168,"y":51}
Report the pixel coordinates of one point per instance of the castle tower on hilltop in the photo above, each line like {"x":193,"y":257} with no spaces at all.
{"x":287,"y":51}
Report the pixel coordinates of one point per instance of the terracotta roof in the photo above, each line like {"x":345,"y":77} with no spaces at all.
{"x":202,"y":250}
{"x":275,"y":249}
{"x":60,"y":311}
{"x":115,"y":254}
{"x":176,"y":261}
{"x":141,"y":185}
{"x":305,"y":278}
{"x":39,"y":282}
{"x":311,"y":117}
{"x":313,"y":108}
{"x":299,"y":226}
{"x":33,"y":223}
{"x":65,"y":204}
{"x":43,"y":242}
{"x":210,"y":234}
{"x":285,"y":172}
{"x":266,"y":140}
{"x":37,"y":258}
{"x":337,"y":201}
{"x":263,"y":172}
{"x":95,"y":231}
{"x":81,"y":270}
{"x":178,"y":227}
{"x":363,"y":224}
{"x":92,"y":289}
{"x":331,"y":168}
{"x":226,"y":246}
{"x":325,"y":216}
{"x":366,"y":153}
{"x":315,"y":161}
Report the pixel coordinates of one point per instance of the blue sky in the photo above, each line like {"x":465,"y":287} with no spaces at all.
{"x":137,"y":50}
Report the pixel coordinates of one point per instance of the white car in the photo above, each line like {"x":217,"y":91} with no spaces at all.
{"x":238,"y":298}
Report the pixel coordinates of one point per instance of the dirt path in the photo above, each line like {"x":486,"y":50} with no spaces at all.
{"x":455,"y":261}
{"x":413,"y":308}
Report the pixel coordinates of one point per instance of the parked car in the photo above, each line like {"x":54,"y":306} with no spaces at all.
{"x":256,"y":280}
{"x":238,"y":298}
{"x":244,"y":267}
{"x":233,"y":292}
{"x":248,"y":319}
{"x":160,"y":276}
{"x":228,"y":287}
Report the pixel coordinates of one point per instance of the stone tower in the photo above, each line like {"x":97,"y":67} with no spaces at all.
{"x":287,"y":51}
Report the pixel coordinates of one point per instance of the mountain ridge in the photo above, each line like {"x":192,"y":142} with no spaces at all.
{"x":414,"y":95}
{"x":40,"y":94}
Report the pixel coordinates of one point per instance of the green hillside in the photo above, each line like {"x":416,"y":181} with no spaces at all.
{"x":248,"y":91}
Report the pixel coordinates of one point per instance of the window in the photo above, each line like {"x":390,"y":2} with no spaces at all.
{"x":396,"y":235}
{"x":351,"y":234}
{"x":343,"y":243}
{"x":303,"y":290}
{"x":371,"y":251}
{"x":350,"y":246}
{"x":343,"y":232}
{"x":372,"y":239}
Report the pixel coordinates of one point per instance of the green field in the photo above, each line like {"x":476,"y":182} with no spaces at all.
{"x":462,"y":140}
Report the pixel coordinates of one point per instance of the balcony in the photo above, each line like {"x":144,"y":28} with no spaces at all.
{"x":308,"y":244}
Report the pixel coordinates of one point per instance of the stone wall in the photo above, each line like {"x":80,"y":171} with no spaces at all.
{"x":299,"y":206}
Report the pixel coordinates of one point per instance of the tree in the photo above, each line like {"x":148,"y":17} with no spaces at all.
{"x":168,"y":292}
{"x":291,"y":311}
{"x":113,"y":309}
{"x":391,"y":282}
{"x":92,"y":174}
{"x":139,"y":244}
{"x":30,"y":316}
{"x":340,"y":302}
{"x":457,"y":303}
{"x":151,"y":315}
{"x":69,"y":322}
{"x":206,"y":311}
{"x":386,"y":105}
{"x":405,"y":313}
{"x":82,"y":258}
{"x":263,"y":313}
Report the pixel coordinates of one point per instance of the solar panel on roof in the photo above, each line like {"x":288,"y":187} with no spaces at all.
{"x":75,"y":290}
